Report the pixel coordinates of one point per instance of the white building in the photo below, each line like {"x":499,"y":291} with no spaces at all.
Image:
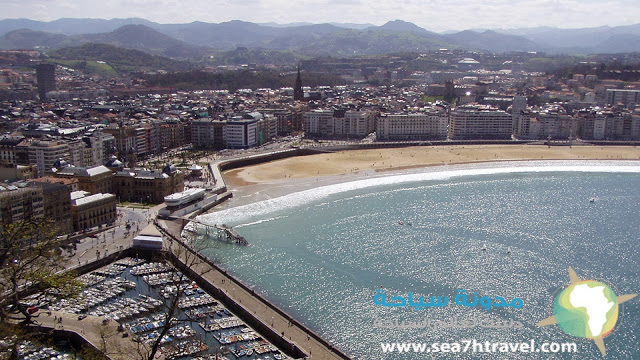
{"x":241,"y":133}
{"x":590,"y":97}
{"x":428,"y":123}
{"x":44,"y":153}
{"x":480,"y":122}
{"x":319,"y":122}
{"x":339,"y":123}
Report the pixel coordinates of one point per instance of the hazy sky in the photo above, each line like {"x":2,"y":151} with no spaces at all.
{"x":435,"y":15}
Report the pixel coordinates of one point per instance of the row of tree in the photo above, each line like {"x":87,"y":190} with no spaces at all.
{"x":234,"y":80}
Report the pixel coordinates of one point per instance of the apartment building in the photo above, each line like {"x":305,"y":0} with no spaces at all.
{"x":599,"y":124}
{"x":203,"y":133}
{"x":622,"y":96}
{"x":56,"y":194}
{"x":124,"y":136}
{"x":475,"y":121}
{"x":8,"y":149}
{"x":267,"y":127}
{"x":551,"y":121}
{"x":319,"y":123}
{"x":241,"y":133}
{"x":44,"y":154}
{"x":339,"y":123}
{"x":20,"y":201}
{"x":428,"y":123}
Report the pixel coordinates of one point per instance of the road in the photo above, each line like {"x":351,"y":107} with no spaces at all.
{"x":113,"y":238}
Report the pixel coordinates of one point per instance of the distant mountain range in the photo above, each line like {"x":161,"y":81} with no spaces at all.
{"x":198,"y":39}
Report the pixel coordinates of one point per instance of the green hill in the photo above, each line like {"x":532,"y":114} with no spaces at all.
{"x":120,"y":59}
{"x":373,"y":42}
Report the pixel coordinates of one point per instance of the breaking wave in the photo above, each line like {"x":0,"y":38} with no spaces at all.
{"x":255,"y":213}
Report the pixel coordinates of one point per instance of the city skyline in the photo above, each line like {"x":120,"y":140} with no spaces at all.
{"x":433,"y":15}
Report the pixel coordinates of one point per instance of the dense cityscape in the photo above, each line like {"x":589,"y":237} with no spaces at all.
{"x":85,"y":149}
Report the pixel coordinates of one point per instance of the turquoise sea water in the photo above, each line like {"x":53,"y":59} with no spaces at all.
{"x":321,"y":254}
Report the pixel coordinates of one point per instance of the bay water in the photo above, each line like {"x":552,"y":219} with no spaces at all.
{"x":509,"y":230}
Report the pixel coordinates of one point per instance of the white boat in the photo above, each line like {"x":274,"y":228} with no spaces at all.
{"x":592,"y":200}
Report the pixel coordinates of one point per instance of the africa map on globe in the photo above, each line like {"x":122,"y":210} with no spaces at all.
{"x":587,"y":309}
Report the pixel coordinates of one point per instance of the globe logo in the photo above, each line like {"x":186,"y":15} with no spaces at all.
{"x":587,"y":309}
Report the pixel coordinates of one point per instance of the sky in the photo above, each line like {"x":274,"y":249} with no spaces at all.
{"x":434,"y":15}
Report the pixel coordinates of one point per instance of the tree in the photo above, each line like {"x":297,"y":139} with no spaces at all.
{"x":30,"y":259}
{"x":187,"y":254}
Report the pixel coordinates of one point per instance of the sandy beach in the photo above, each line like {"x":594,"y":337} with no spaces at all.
{"x":377,"y":160}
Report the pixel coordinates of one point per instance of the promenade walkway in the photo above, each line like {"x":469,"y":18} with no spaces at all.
{"x":104,"y":337}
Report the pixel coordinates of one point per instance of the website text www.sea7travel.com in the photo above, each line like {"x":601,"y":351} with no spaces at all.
{"x":474,"y":346}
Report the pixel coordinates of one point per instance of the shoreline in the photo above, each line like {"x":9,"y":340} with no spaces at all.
{"x":282,"y":177}
{"x":280,"y":192}
{"x":354,"y":161}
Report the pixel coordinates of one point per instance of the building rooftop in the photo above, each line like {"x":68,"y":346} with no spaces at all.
{"x":79,"y":194}
{"x":84,"y":171}
{"x":92,"y":198}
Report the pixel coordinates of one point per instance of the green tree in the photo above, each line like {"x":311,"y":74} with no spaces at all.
{"x":31,"y":263}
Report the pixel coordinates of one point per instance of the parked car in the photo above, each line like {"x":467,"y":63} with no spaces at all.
{"x":33,"y":309}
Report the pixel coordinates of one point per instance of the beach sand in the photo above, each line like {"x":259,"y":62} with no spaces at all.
{"x":377,"y":160}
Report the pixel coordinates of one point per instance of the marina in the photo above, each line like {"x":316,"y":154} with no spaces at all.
{"x":137,"y":295}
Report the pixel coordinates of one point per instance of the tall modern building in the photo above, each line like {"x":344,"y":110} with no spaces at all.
{"x":517,"y":109}
{"x":604,"y":124}
{"x":46,"y":78}
{"x":240,"y":133}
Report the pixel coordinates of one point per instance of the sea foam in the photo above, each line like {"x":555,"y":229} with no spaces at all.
{"x":258,"y":210}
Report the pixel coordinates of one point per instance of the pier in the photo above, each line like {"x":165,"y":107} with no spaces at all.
{"x":223,"y":232}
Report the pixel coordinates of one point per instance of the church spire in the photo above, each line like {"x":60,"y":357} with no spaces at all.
{"x":298,"y":94}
